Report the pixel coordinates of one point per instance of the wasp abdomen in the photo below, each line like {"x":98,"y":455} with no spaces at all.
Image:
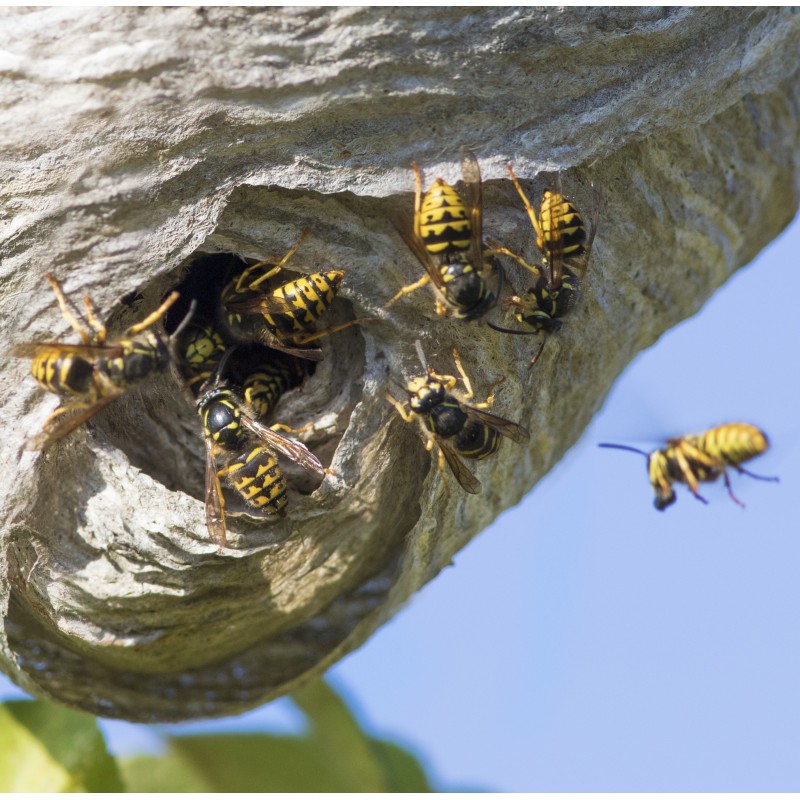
{"x":444,"y":225}
{"x":476,"y":440}
{"x":258,"y":479}
{"x":562,"y":228}
{"x":263,"y":389}
{"x":63,"y":374}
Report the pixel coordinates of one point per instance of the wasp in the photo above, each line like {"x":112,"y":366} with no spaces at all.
{"x":446,"y":236}
{"x":448,"y":422}
{"x":281,"y":317}
{"x":702,"y":458}
{"x":565,"y":247}
{"x":247,"y":452}
{"x":91,"y":375}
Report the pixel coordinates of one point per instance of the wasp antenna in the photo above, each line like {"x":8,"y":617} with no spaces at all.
{"x":511,"y":330}
{"x":185,"y":321}
{"x":223,"y":362}
{"x":421,"y":354}
{"x":624,"y":447}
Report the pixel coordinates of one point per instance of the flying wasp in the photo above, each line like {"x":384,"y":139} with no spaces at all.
{"x":565,"y":247}
{"x":450,"y":423}
{"x":446,"y":236}
{"x":702,"y":458}
{"x":282,"y":317}
{"x":248,"y":453}
{"x":91,"y":375}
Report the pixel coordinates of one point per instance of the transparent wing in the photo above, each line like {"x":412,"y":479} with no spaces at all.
{"x":261,"y":304}
{"x":467,"y":481}
{"x":35,"y":349}
{"x":215,"y":511}
{"x":405,"y":228}
{"x":269,"y":339}
{"x":296,"y":451}
{"x":66,"y":425}
{"x":473,"y":193}
{"x":503,"y":426}
{"x":552,"y":236}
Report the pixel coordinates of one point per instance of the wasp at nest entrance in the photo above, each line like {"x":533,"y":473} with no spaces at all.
{"x":272,"y":384}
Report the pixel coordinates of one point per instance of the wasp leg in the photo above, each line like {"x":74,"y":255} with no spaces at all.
{"x":399,"y":407}
{"x":469,"y":394}
{"x":412,"y":287}
{"x":730,"y":490}
{"x":65,"y":310}
{"x":155,"y":316}
{"x":533,"y":216}
{"x":277,"y":268}
{"x":278,"y":426}
{"x":310,"y":337}
{"x":504,"y":251}
{"x":91,"y":316}
{"x":743,"y":471}
{"x":538,"y":352}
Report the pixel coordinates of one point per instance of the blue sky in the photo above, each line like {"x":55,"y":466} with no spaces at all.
{"x":587,"y":642}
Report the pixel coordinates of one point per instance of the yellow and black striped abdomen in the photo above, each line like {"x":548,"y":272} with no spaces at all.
{"x":63,"y":374}
{"x":257,"y":477}
{"x":561,"y":226}
{"x":733,"y":443}
{"x":310,"y":296}
{"x":444,"y":222}
{"x":263,"y":388}
{"x":476,"y":440}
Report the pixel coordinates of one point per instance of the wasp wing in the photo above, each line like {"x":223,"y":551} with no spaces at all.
{"x":503,"y":426}
{"x":405,"y":228}
{"x":473,"y":192}
{"x":550,"y":223}
{"x":268,"y":339}
{"x":87,"y":351}
{"x":59,"y":430}
{"x":295,"y":451}
{"x":215,"y":504}
{"x":261,"y":304}
{"x":467,"y":481}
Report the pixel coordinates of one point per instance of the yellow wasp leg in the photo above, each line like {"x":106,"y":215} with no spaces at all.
{"x":441,"y":308}
{"x":278,"y":267}
{"x":100,"y":335}
{"x":310,"y":337}
{"x":464,"y":377}
{"x":686,"y":470}
{"x":154,"y":317}
{"x":399,"y":407}
{"x":504,"y":251}
{"x":412,"y":287}
{"x":527,"y":203}
{"x":65,"y":311}
{"x":278,"y":426}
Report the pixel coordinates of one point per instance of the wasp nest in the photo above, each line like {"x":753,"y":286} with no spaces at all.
{"x":141,"y":143}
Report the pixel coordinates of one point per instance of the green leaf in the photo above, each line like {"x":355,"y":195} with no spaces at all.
{"x":47,"y":748}
{"x":333,"y":756}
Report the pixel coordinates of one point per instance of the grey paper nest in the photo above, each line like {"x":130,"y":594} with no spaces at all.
{"x":136,"y":140}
